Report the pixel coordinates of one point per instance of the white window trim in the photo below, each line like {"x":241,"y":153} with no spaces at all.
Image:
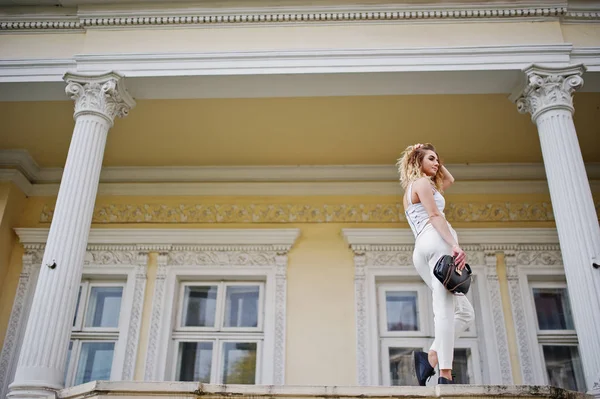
{"x":482,"y":244}
{"x":220,"y":307}
{"x":526,"y":276}
{"x":423,"y":303}
{"x":213,"y":254}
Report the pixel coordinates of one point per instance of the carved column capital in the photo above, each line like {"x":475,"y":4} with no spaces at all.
{"x":104,"y":95}
{"x":548,"y":89}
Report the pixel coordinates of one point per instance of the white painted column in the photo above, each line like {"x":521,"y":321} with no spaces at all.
{"x":548,"y":97}
{"x":42,"y":361}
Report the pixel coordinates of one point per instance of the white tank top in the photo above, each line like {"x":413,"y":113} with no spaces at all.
{"x":417,"y":215}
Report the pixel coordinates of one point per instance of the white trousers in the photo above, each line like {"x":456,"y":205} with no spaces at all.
{"x":452,"y":313}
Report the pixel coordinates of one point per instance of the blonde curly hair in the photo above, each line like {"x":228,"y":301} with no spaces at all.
{"x":409,"y":165}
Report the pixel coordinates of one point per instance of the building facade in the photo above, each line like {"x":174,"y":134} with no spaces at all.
{"x":206,"y":192}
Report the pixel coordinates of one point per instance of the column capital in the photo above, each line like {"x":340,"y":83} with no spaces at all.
{"x":548,"y":88}
{"x":104,"y":95}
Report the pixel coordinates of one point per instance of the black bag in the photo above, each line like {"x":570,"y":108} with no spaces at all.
{"x":455,"y":281}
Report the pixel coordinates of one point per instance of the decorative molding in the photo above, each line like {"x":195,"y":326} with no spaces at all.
{"x":229,"y":16}
{"x":392,"y":212}
{"x":498,"y":317}
{"x":525,"y":353}
{"x":549,"y":88}
{"x":362,"y":328}
{"x":232,"y":257}
{"x":32,"y":260}
{"x":281,"y":261}
{"x":116,"y":256}
{"x":135,"y":319}
{"x":104,"y":95}
{"x":545,"y":257}
{"x":165,"y":239}
{"x":488,"y":239}
{"x":150,"y":372}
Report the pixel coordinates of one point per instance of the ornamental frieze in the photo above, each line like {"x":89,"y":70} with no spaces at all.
{"x":307,"y":213}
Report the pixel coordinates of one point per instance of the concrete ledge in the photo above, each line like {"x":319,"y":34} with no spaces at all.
{"x":126,"y":390}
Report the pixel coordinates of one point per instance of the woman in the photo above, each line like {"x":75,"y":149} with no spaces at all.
{"x":424,"y":178}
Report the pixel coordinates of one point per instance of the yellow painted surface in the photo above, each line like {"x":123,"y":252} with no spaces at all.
{"x":299,"y":131}
{"x":310,"y":37}
{"x":146,"y":317}
{"x":8,"y":287}
{"x":12,"y":201}
{"x":582,"y":35}
{"x":511,"y":334}
{"x":321,"y":339}
{"x":44,"y":46}
{"x":213,"y":38}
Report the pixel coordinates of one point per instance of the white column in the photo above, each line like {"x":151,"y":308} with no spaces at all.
{"x":42,"y":361}
{"x":548,"y":97}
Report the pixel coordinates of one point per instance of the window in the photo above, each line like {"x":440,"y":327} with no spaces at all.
{"x":95,"y":332}
{"x":218,"y":332}
{"x":556,"y":335}
{"x":406,"y":325}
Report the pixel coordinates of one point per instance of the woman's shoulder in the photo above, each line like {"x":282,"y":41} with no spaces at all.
{"x":422,"y":182}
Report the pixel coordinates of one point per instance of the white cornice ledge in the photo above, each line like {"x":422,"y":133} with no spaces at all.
{"x":22,"y":161}
{"x":358,"y":237}
{"x":277,"y":237}
{"x":188,"y":16}
{"x":16,"y":177}
{"x":171,"y":389}
{"x":458,"y":58}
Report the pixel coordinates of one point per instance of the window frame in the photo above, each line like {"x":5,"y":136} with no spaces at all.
{"x":475,"y":375}
{"x":175,"y":275}
{"x":220,"y":306}
{"x":552,"y":285}
{"x":406,"y":276}
{"x":81,"y":334}
{"x":423,"y":302}
{"x":542,"y":276}
{"x":219,"y":334}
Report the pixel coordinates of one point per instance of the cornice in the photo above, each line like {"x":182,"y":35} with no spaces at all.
{"x":149,"y":238}
{"x":16,"y":177}
{"x":484,"y":237}
{"x":104,"y":17}
{"x":22,"y":161}
{"x":589,"y":56}
{"x":314,"y":188}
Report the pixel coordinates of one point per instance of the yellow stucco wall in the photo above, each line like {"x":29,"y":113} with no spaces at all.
{"x":12,"y":202}
{"x":320,"y":338}
{"x":582,"y":35}
{"x":278,"y":37}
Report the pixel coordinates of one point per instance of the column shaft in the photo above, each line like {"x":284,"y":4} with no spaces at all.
{"x":42,"y":360}
{"x":578,"y":230}
{"x":43,"y":355}
{"x":548,"y":96}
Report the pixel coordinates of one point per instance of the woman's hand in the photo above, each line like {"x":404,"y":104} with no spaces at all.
{"x":460,"y":258}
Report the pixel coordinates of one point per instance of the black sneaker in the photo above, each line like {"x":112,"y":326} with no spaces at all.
{"x":423,"y":369}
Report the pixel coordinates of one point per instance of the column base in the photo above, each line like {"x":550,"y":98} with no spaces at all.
{"x":594,"y":392}
{"x":31,"y":391}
